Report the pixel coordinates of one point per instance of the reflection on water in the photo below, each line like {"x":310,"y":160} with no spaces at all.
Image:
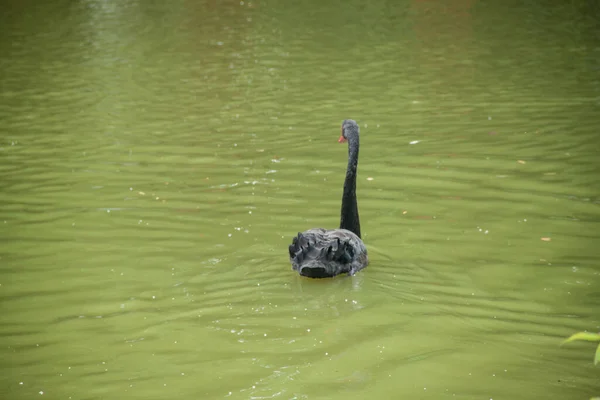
{"x":157,"y":159}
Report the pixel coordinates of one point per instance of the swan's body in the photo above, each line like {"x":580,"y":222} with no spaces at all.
{"x":321,"y":253}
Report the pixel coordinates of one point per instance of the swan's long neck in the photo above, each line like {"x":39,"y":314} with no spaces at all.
{"x":349,"y":219}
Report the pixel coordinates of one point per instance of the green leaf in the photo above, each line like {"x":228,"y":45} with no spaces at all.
{"x":597,"y":357}
{"x":587,"y":336}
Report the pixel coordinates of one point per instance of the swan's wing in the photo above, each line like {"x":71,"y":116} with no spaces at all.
{"x":322,"y":246}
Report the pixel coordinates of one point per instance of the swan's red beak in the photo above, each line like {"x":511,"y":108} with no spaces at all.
{"x":342,"y":139}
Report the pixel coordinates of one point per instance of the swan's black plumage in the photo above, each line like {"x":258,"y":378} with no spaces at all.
{"x":321,"y":253}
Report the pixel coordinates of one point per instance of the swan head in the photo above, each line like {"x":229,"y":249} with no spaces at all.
{"x":350,"y":130}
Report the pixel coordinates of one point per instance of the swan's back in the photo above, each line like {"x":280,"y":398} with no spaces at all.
{"x":322,"y":253}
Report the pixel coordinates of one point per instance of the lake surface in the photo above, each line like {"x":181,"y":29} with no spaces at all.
{"x":156,"y":159}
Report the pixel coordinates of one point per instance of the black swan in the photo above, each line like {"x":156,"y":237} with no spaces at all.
{"x":322,"y":253}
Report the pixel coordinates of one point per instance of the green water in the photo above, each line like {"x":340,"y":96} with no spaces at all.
{"x":156,"y":158}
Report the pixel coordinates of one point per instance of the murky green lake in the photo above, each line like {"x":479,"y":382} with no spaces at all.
{"x":156,"y":159}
